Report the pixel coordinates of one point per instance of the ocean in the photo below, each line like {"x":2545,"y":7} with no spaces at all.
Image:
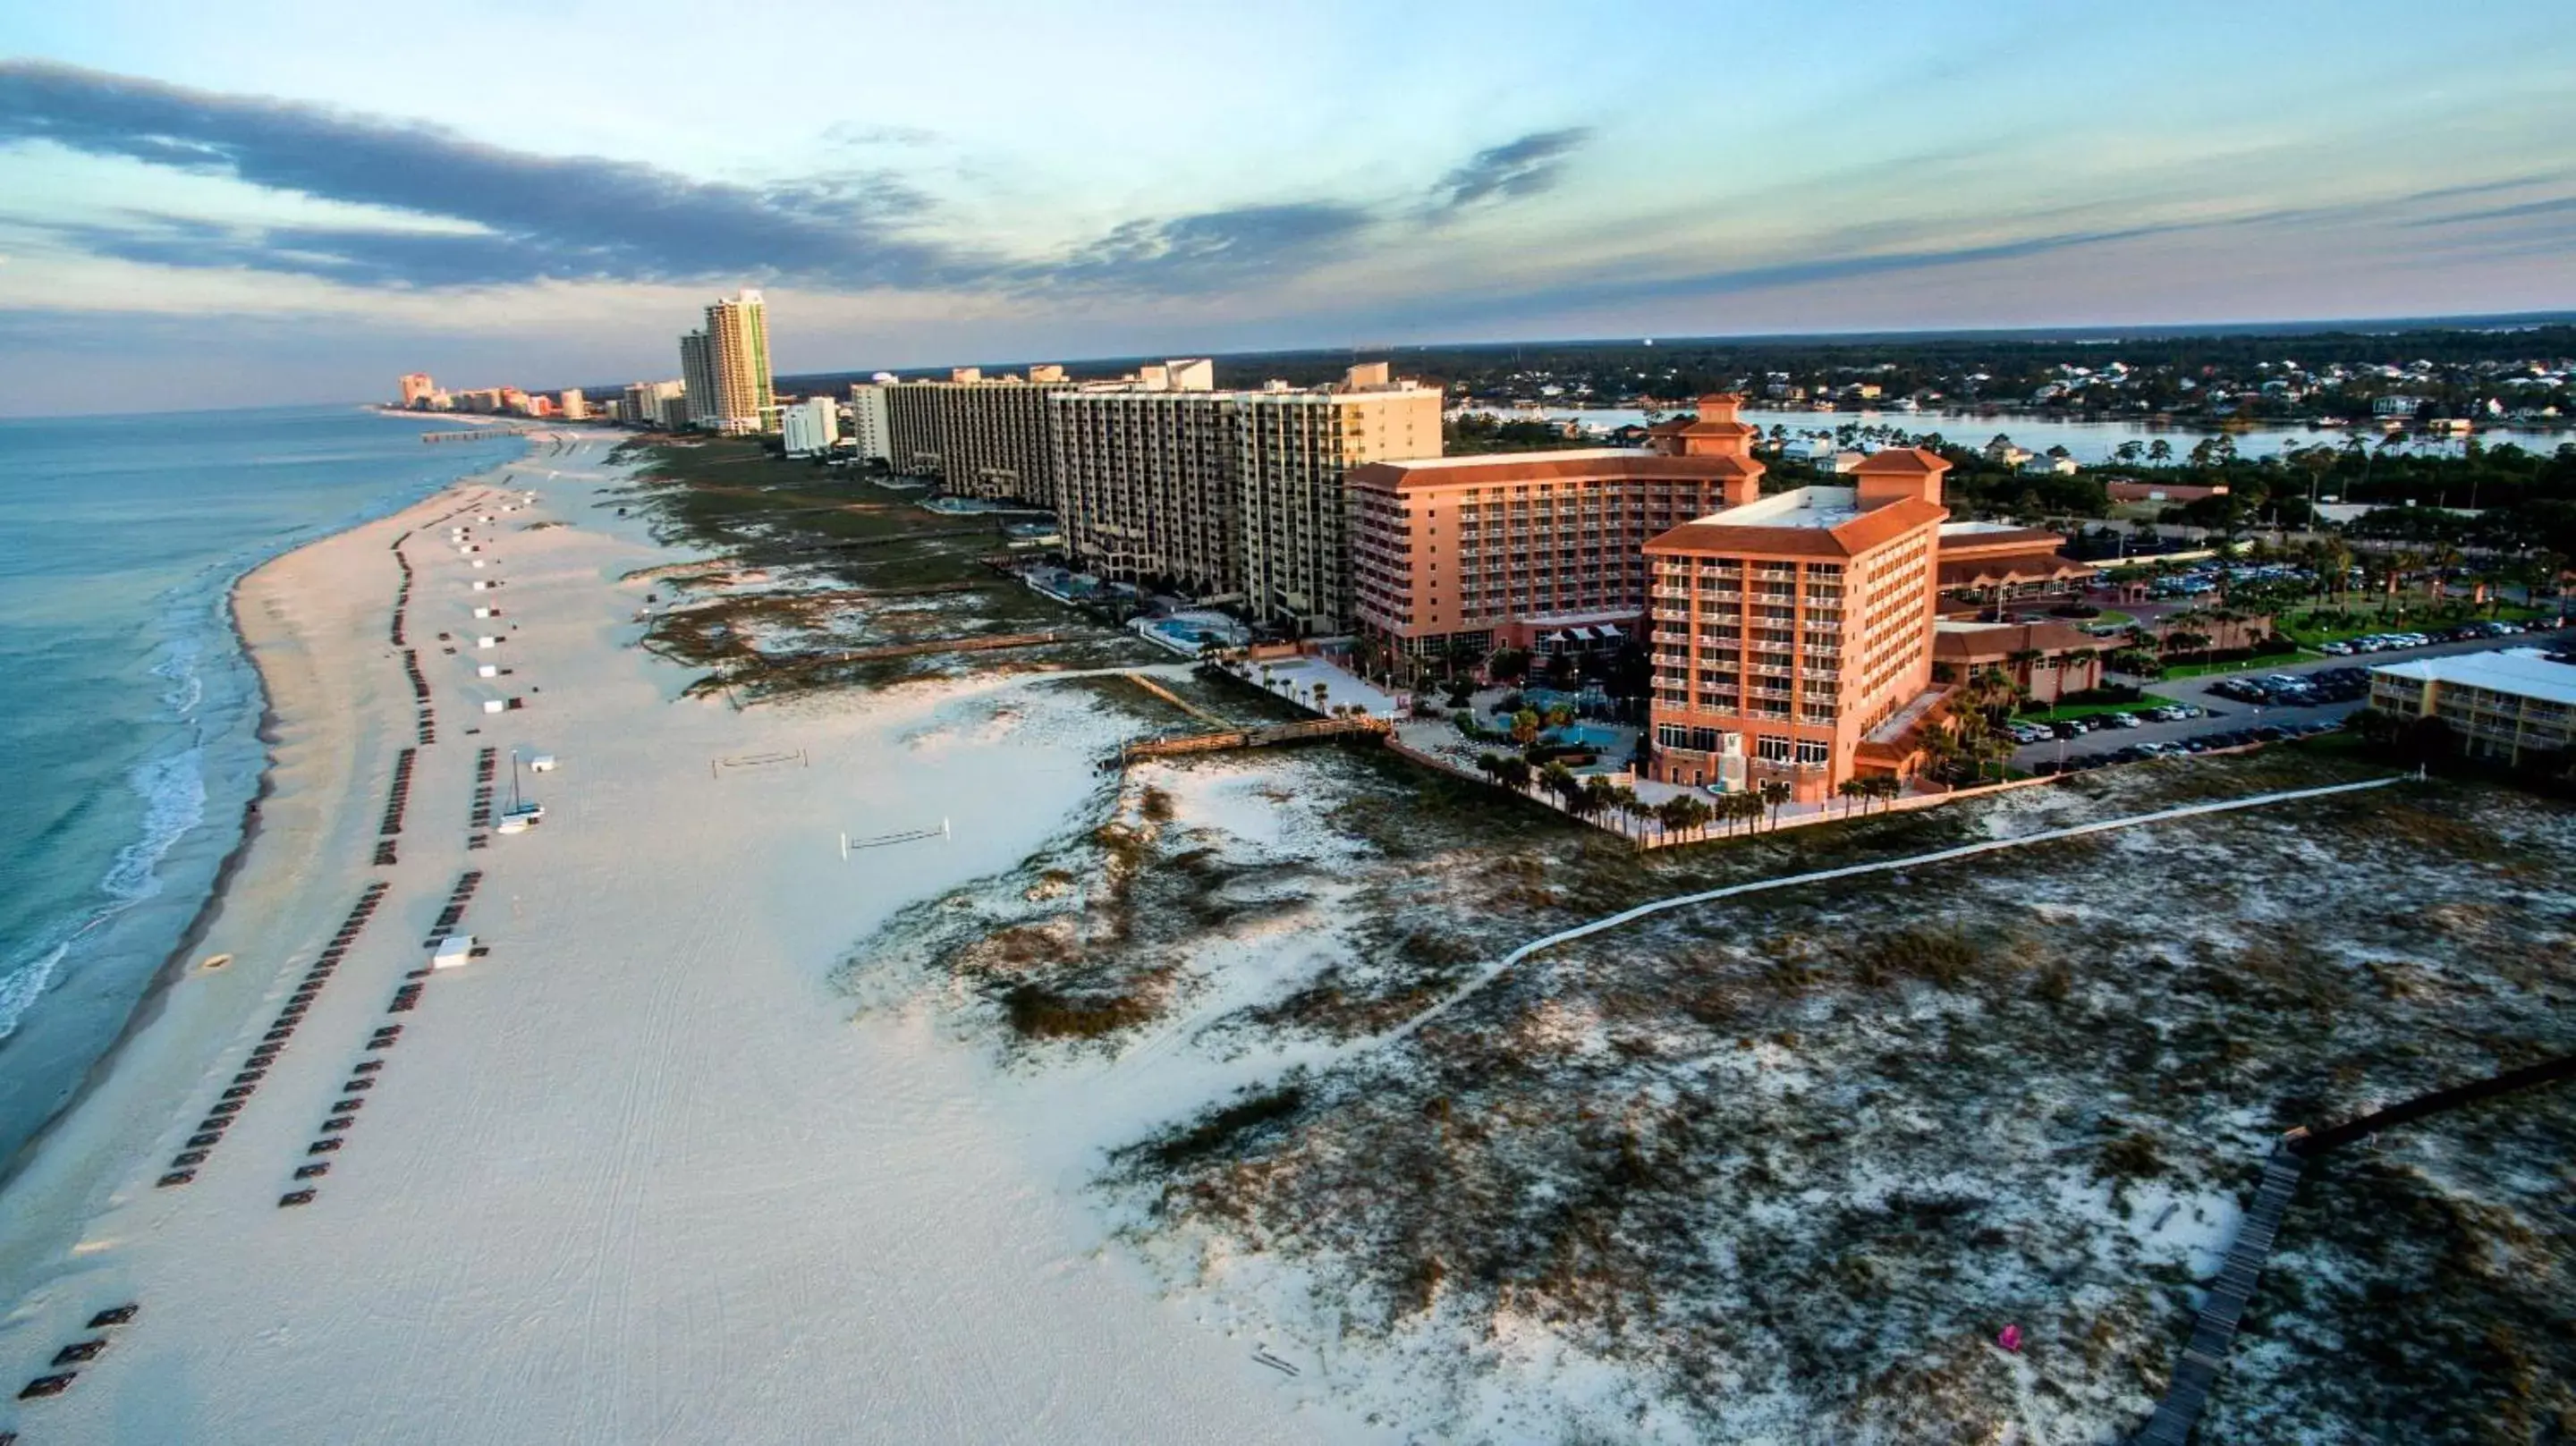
{"x":128,"y":714}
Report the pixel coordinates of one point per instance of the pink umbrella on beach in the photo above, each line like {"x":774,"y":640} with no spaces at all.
{"x":2009,"y":1338}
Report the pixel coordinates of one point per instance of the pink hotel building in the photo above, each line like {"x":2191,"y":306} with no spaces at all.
{"x":1791,"y":635}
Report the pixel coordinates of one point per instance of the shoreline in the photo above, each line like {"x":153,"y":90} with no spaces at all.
{"x":639,"y":1157}
{"x":45,"y":1017}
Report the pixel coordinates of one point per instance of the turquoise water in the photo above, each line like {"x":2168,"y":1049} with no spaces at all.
{"x":127,"y":713}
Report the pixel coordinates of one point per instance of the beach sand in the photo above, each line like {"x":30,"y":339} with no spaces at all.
{"x":636,"y":1174}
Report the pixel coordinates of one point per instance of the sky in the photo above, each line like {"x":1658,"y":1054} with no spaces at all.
{"x":273,"y":201}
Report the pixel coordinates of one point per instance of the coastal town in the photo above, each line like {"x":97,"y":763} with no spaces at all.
{"x":1646,"y":626}
{"x":1343,"y":676}
{"x":1340,"y":728}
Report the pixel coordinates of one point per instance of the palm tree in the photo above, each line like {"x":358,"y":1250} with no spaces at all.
{"x":1851,"y":791}
{"x":1683,"y":813}
{"x":1320,"y":690}
{"x":1600,"y":796}
{"x":1775,"y":794}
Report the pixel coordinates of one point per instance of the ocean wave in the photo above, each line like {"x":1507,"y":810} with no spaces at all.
{"x":173,"y":788}
{"x":179,"y":665}
{"x":21,"y":984}
{"x":174,"y":801}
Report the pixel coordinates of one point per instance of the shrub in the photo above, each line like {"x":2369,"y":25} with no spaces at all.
{"x":1223,"y":1126}
{"x":1945,"y":957}
{"x":1041,"y":1013}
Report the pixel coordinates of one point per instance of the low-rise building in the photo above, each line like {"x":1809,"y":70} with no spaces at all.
{"x":2508,"y":705}
{"x":1986,"y":563}
{"x":2046,"y":660}
{"x":2125,"y":490}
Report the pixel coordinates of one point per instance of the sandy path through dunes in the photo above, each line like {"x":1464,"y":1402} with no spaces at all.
{"x":633,"y":1177}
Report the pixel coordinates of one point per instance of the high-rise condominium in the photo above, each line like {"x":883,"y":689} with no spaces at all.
{"x":1238,"y":492}
{"x":416,"y":388}
{"x":738,"y":358}
{"x":698,"y":376}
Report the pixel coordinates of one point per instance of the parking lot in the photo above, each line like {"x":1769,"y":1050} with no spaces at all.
{"x":2223,"y":716}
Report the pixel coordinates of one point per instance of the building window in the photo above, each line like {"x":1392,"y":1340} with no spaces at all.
{"x":1814,"y":750}
{"x":1772,"y":748}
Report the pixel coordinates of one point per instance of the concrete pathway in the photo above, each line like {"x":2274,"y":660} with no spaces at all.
{"x":1682,"y":901}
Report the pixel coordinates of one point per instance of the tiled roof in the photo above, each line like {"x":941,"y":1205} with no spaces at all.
{"x":1953,"y":642}
{"x":2012,"y":567}
{"x":1900,"y":462}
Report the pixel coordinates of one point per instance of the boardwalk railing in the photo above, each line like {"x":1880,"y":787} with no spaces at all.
{"x":2215,"y":1330}
{"x":1252,"y":737}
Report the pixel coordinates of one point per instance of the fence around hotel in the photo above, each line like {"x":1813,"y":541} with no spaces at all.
{"x":1647,"y":834}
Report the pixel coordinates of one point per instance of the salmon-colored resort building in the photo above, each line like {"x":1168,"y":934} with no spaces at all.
{"x":1792,"y":634}
{"x":1536,"y":550}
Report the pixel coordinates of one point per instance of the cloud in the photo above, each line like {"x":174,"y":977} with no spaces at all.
{"x":1512,"y":171}
{"x":853,"y":133}
{"x":2554,"y":206}
{"x":536,"y":217}
{"x":1212,"y":250}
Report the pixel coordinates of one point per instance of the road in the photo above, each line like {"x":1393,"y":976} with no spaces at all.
{"x":2227,"y":715}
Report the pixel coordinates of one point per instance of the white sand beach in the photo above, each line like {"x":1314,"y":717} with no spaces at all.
{"x":634,"y":1175}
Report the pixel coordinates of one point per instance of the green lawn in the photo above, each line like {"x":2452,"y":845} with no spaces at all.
{"x":2419,"y":617}
{"x":2088,"y":710}
{"x":2262,"y":663}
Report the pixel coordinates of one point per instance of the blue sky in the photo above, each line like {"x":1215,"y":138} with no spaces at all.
{"x":265,"y":200}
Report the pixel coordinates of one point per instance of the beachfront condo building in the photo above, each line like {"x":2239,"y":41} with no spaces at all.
{"x":868,"y":422}
{"x":737,"y":361}
{"x":698,"y":378}
{"x":810,"y":428}
{"x":2509,"y":705}
{"x":1231,"y":494}
{"x":1792,"y":634}
{"x":1145,"y":487}
{"x":417,"y":389}
{"x":977,"y":436}
{"x":1534,"y":550}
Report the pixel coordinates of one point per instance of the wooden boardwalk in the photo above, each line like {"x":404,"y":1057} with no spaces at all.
{"x":1230,"y":738}
{"x":2215,"y":1330}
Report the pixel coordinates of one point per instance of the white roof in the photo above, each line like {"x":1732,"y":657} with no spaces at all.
{"x":1803,"y":507}
{"x":2524,"y":672}
{"x":1961,"y":529}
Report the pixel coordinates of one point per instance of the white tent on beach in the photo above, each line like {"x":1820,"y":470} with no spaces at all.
{"x":452,"y":952}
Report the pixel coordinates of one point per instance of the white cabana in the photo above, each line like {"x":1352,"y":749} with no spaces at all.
{"x":483,"y":612}
{"x":452,"y":952}
{"x":487,"y":642}
{"x":495,"y":705}
{"x":542,"y":763}
{"x":487,"y":670}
